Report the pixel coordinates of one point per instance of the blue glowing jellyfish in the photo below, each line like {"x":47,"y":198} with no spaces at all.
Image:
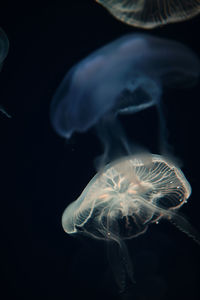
{"x":123,"y":77}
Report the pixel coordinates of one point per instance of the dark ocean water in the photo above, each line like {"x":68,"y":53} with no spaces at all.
{"x":42,"y":173}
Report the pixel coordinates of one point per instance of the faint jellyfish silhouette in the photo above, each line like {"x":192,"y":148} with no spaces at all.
{"x":123,"y":77}
{"x":122,"y":200}
{"x":4,"y":46}
{"x":3,"y":111}
{"x":149,"y":13}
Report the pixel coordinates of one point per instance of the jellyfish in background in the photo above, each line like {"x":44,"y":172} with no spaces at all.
{"x":149,"y":13}
{"x":124,"y":77}
{"x":4,"y":46}
{"x":122,"y":200}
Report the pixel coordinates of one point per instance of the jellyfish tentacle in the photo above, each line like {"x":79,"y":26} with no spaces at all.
{"x":164,"y":146}
{"x":118,"y":255}
{"x":120,"y":263}
{"x":117,"y":252}
{"x":112,"y":136}
{"x":183,"y":225}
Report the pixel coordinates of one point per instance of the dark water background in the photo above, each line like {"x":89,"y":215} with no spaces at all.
{"x":41,"y":173}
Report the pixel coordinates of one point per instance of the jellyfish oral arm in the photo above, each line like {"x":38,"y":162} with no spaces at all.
{"x":183,"y":225}
{"x":120,"y":263}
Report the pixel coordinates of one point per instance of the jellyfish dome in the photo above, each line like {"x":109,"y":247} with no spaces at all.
{"x":125,"y":76}
{"x":122,"y":200}
{"x":149,"y":13}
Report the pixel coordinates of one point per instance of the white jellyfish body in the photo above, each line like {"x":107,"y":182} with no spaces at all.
{"x":139,"y":190}
{"x":122,"y":200}
{"x":149,"y":13}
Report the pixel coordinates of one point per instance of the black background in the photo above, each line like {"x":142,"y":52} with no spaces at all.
{"x":41,"y":173}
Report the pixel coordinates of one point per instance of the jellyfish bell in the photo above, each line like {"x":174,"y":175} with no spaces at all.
{"x":123,"y":77}
{"x":149,"y":13}
{"x":127,"y":196}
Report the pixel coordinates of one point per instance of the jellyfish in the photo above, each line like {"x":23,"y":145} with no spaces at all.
{"x":4,"y":112}
{"x":123,"y":77}
{"x":149,"y":13}
{"x":4,"y":46}
{"x":123,"y":200}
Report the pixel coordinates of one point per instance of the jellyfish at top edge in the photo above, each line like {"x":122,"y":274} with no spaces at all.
{"x":122,"y":200}
{"x":123,"y":77}
{"x":149,"y":13}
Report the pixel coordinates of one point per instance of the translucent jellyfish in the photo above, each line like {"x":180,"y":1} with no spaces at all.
{"x":122,"y":200}
{"x":4,"y":46}
{"x":4,"y":112}
{"x":149,"y":13}
{"x":124,"y":77}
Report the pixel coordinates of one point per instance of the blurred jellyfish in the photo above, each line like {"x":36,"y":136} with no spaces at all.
{"x":124,"y":77}
{"x":3,"y":111}
{"x":4,"y":46}
{"x":122,"y":200}
{"x":149,"y":13}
